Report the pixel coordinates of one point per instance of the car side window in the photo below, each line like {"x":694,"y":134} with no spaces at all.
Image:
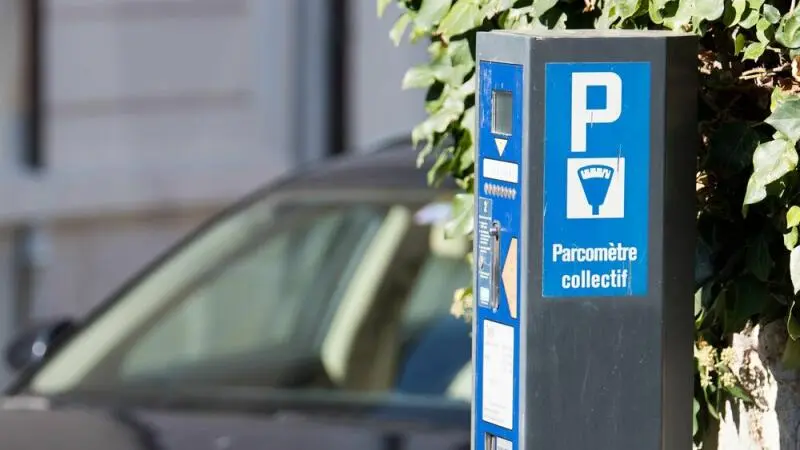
{"x":435,"y":344}
{"x":430,"y":346}
{"x":345,"y":297}
{"x":413,"y":344}
{"x":262,"y":299}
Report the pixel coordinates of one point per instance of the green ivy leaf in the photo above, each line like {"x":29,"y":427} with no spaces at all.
{"x":467,"y":155}
{"x":788,"y":33}
{"x":462,"y":17}
{"x":552,"y":20}
{"x":382,"y":5}
{"x":399,"y":28}
{"x":793,"y":216}
{"x":754,"y":51}
{"x":755,"y":4}
{"x":794,"y":270}
{"x":441,"y":166}
{"x":461,"y":221}
{"x":420,"y":76}
{"x":466,"y":89}
{"x":461,"y":56}
{"x":450,"y":66}
{"x":709,"y":9}
{"x":739,"y":42}
{"x":698,"y":302}
{"x":437,"y":50}
{"x":431,"y":12}
{"x":494,"y":7}
{"x":791,"y":354}
{"x":734,"y":14}
{"x":765,"y":32}
{"x":750,"y":19}
{"x":427,"y":149}
{"x":515,"y":17}
{"x":786,"y":118}
{"x":540,"y":7}
{"x":777,"y":97}
{"x":758,"y":259}
{"x":747,"y":299}
{"x":711,"y":405}
{"x":792,"y":325}
{"x":416,"y":34}
{"x":755,"y":193}
{"x":626,"y":9}
{"x":790,"y":239}
{"x":772,"y":14}
{"x":654,"y":8}
{"x":738,"y":393}
{"x":695,"y":412}
{"x":468,"y":121}
{"x":682,"y":16}
{"x":438,"y":122}
{"x":771,"y":161}
{"x":731,"y":148}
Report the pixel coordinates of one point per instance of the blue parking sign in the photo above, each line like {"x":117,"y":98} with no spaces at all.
{"x":596,"y":179}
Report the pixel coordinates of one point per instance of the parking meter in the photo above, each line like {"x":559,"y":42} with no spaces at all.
{"x":584,"y":240}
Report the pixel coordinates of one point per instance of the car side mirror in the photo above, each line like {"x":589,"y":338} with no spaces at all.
{"x":32,"y":344}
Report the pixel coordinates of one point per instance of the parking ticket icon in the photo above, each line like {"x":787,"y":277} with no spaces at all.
{"x":595,"y":180}
{"x":595,"y":188}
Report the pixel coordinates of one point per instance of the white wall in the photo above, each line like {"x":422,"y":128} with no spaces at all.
{"x":379,"y":107}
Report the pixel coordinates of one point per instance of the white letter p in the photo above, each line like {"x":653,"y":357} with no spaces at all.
{"x":582,"y":115}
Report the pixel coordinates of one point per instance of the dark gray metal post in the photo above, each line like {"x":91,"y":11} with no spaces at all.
{"x":584,"y":246}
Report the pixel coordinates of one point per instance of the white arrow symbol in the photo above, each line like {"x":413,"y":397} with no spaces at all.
{"x":501,"y":145}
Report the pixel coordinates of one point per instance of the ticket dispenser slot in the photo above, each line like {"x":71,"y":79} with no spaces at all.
{"x":493,"y":442}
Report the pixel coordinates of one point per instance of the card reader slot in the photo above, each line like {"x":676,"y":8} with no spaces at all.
{"x":494,"y":232}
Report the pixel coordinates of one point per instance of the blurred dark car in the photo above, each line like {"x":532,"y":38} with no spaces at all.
{"x":313,"y":314}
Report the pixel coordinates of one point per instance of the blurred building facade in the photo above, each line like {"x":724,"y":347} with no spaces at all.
{"x":125,"y":123}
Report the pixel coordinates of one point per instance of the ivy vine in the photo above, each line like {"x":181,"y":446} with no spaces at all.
{"x":748,"y":189}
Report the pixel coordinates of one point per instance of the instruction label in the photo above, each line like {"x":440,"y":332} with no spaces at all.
{"x":596,"y":179}
{"x":485,"y":252}
{"x":498,"y":374}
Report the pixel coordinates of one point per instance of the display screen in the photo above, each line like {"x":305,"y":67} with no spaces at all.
{"x":502,"y":102}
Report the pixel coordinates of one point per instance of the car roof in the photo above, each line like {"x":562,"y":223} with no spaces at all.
{"x":391,"y":165}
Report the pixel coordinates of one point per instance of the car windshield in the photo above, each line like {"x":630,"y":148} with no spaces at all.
{"x":334,"y":293}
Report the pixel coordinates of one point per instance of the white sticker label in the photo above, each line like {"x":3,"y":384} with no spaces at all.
{"x":503,"y":444}
{"x":501,"y":170}
{"x":498,"y":374}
